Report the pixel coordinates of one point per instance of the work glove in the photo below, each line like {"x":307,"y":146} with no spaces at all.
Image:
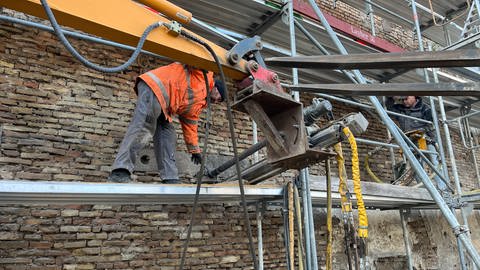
{"x":196,"y":158}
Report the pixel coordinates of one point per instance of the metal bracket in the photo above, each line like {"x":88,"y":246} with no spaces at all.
{"x":242,"y":48}
{"x":277,"y":115}
{"x":174,"y":28}
{"x":454,"y":202}
{"x":406,"y":212}
{"x":461,"y":229}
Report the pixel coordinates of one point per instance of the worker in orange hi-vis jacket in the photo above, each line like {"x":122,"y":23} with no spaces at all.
{"x":175,"y":89}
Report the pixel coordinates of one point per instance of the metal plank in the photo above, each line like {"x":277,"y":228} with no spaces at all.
{"x":376,"y":196}
{"x":54,"y":192}
{"x":457,"y":58}
{"x":393,"y":89}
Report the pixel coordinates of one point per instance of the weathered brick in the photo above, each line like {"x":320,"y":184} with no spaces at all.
{"x":114,"y":228}
{"x":75,"y":244}
{"x":34,"y":176}
{"x":35,"y":236}
{"x":69,"y":213}
{"x":9,"y":227}
{"x":110,"y":250}
{"x":68,"y":177}
{"x":87,"y":266}
{"x":89,"y":214}
{"x":48,"y":229}
{"x":94,"y":243}
{"x":153,"y":215}
{"x":75,"y":229}
{"x":15,"y":160}
{"x":15,"y":260}
{"x":117,"y":243}
{"x":40,"y":244}
{"x":105,"y":221}
{"x":45,"y":213}
{"x":86,"y":251}
{"x":10,"y":236}
{"x":6,"y":64}
{"x":14,"y":244}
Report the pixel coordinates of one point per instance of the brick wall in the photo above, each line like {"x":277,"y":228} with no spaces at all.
{"x":465,"y":166}
{"x":384,"y":28}
{"x":131,"y":237}
{"x":61,"y":121}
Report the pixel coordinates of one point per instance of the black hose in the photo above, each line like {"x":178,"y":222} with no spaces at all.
{"x":234,"y":144}
{"x":225,"y":166}
{"x":199,"y":176}
{"x":83,"y":60}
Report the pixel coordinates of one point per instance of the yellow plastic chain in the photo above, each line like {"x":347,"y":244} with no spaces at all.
{"x":362,"y":212}
{"x":342,"y":175}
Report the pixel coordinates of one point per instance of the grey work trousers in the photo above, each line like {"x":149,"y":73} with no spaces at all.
{"x":434,"y":159}
{"x":148,"y":120}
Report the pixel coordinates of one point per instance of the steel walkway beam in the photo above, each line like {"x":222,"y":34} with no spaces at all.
{"x":392,"y":89}
{"x":457,"y":58}
{"x":376,"y":196}
{"x":54,"y":192}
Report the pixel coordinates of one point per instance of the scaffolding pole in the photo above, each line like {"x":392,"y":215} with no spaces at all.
{"x":320,"y":47}
{"x":406,"y":238}
{"x":312,"y":261}
{"x":260,"y":207}
{"x":451,"y":154}
{"x":388,"y":11}
{"x":434,"y":116}
{"x":390,"y":149}
{"x":459,"y":230}
{"x":371,"y":17}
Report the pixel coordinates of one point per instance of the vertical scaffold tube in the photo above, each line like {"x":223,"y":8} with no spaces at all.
{"x":329,"y":259}
{"x":298,"y":217}
{"x":291,"y":230}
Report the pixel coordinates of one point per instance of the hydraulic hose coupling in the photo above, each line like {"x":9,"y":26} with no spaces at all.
{"x":174,"y":28}
{"x":318,"y":108}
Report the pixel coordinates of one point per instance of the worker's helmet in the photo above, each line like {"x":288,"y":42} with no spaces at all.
{"x":220,"y":88}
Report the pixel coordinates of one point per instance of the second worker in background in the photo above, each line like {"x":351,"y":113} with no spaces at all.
{"x":417,"y":130}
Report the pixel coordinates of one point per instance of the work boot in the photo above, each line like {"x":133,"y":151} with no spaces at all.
{"x":119,"y":176}
{"x":171,"y":181}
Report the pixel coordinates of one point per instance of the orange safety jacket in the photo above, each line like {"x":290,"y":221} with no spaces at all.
{"x":180,"y":90}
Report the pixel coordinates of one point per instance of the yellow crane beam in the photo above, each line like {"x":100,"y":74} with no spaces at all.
{"x":124,"y":21}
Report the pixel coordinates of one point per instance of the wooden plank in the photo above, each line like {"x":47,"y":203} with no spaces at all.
{"x":457,"y":58}
{"x":374,"y":189}
{"x":266,"y":126}
{"x":393,"y":89}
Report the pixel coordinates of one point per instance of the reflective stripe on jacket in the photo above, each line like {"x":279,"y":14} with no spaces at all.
{"x":180,"y":90}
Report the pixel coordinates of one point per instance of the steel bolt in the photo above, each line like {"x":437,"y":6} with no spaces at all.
{"x":254,"y":66}
{"x":234,"y":58}
{"x":274,"y":78}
